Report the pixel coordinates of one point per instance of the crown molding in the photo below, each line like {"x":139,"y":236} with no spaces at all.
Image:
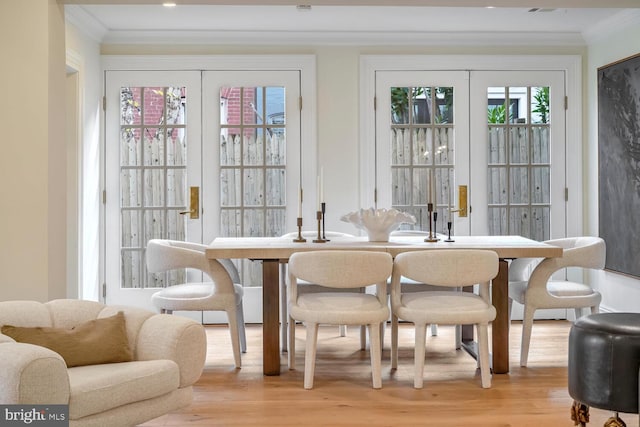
{"x":371,"y":38}
{"x":85,"y":22}
{"x":431,"y":3}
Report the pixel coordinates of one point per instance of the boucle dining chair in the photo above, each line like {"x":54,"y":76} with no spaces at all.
{"x":409,"y":285}
{"x":306,"y":287}
{"x":530,"y":284}
{"x":223,"y":293}
{"x":453,"y":268}
{"x":337,"y":270}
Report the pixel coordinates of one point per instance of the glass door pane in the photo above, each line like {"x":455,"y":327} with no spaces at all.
{"x":252,"y":164}
{"x":518,"y":188}
{"x":153,"y":147}
{"x":422,"y":151}
{"x":518,"y":147}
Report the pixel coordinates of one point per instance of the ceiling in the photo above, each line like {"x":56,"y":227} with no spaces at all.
{"x":351,"y":22}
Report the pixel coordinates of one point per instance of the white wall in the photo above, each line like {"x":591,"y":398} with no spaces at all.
{"x":619,"y":293}
{"x":83,"y":56}
{"x":33,"y":160}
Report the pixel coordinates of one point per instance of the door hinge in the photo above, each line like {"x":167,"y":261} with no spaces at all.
{"x":566,"y":102}
{"x":375,"y":195}
{"x":104,"y":291}
{"x":104,"y":103}
{"x":300,"y":103}
{"x":566,"y":194}
{"x":375,"y":103}
{"x":104,"y":197}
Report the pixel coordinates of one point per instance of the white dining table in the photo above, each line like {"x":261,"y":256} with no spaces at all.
{"x":272,"y":251}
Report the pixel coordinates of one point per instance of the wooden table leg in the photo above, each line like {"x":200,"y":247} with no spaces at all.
{"x":500,"y":326}
{"x":270,"y":317}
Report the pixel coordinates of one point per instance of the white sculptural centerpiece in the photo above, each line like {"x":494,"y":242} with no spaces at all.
{"x":378,"y":223}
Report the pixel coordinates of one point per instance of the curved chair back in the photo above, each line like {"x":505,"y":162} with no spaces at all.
{"x":165,"y":255}
{"x":451,"y":268}
{"x":585,"y":252}
{"x":341,"y":269}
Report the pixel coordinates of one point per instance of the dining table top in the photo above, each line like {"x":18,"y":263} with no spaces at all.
{"x":282,"y":248}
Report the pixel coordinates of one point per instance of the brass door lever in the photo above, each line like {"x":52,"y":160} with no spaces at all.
{"x":194,"y":203}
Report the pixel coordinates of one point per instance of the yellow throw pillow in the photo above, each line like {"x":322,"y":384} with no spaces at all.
{"x":90,"y":343}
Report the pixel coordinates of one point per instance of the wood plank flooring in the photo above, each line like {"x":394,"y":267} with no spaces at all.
{"x":342,"y":395}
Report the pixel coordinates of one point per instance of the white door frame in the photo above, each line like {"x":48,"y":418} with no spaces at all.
{"x":306,"y":64}
{"x":570,"y":64}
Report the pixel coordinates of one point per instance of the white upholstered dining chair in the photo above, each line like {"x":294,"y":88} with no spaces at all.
{"x":336,"y":270}
{"x":409,"y":285}
{"x":453,"y":268}
{"x":223,"y":293}
{"x":530,"y":284}
{"x":305,"y":286}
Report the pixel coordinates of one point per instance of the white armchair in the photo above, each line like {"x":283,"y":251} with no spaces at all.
{"x":168,"y":355}
{"x":222,"y":293}
{"x":537,"y":290}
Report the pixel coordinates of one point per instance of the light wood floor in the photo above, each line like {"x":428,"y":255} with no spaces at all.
{"x":342,"y":395}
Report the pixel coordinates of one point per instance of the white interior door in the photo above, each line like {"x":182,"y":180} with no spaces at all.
{"x":152,"y":159}
{"x":422,"y":144}
{"x":518,"y":146}
{"x":251,"y":164}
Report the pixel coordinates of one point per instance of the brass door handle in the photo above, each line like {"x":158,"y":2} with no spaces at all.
{"x":194,"y":203}
{"x":462,"y":201}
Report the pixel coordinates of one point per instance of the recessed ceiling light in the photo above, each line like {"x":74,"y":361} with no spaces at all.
{"x":169,"y":4}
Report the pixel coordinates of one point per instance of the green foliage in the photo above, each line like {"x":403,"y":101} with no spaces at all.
{"x":541,"y":103}
{"x":445,"y":115}
{"x":496,"y":114}
{"x":400,"y":102}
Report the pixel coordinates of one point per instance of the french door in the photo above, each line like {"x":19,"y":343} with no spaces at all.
{"x":422,"y":147}
{"x":493,"y":140}
{"x":251,"y":164}
{"x":517,"y":143}
{"x":192,"y":155}
{"x":152,"y":156}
